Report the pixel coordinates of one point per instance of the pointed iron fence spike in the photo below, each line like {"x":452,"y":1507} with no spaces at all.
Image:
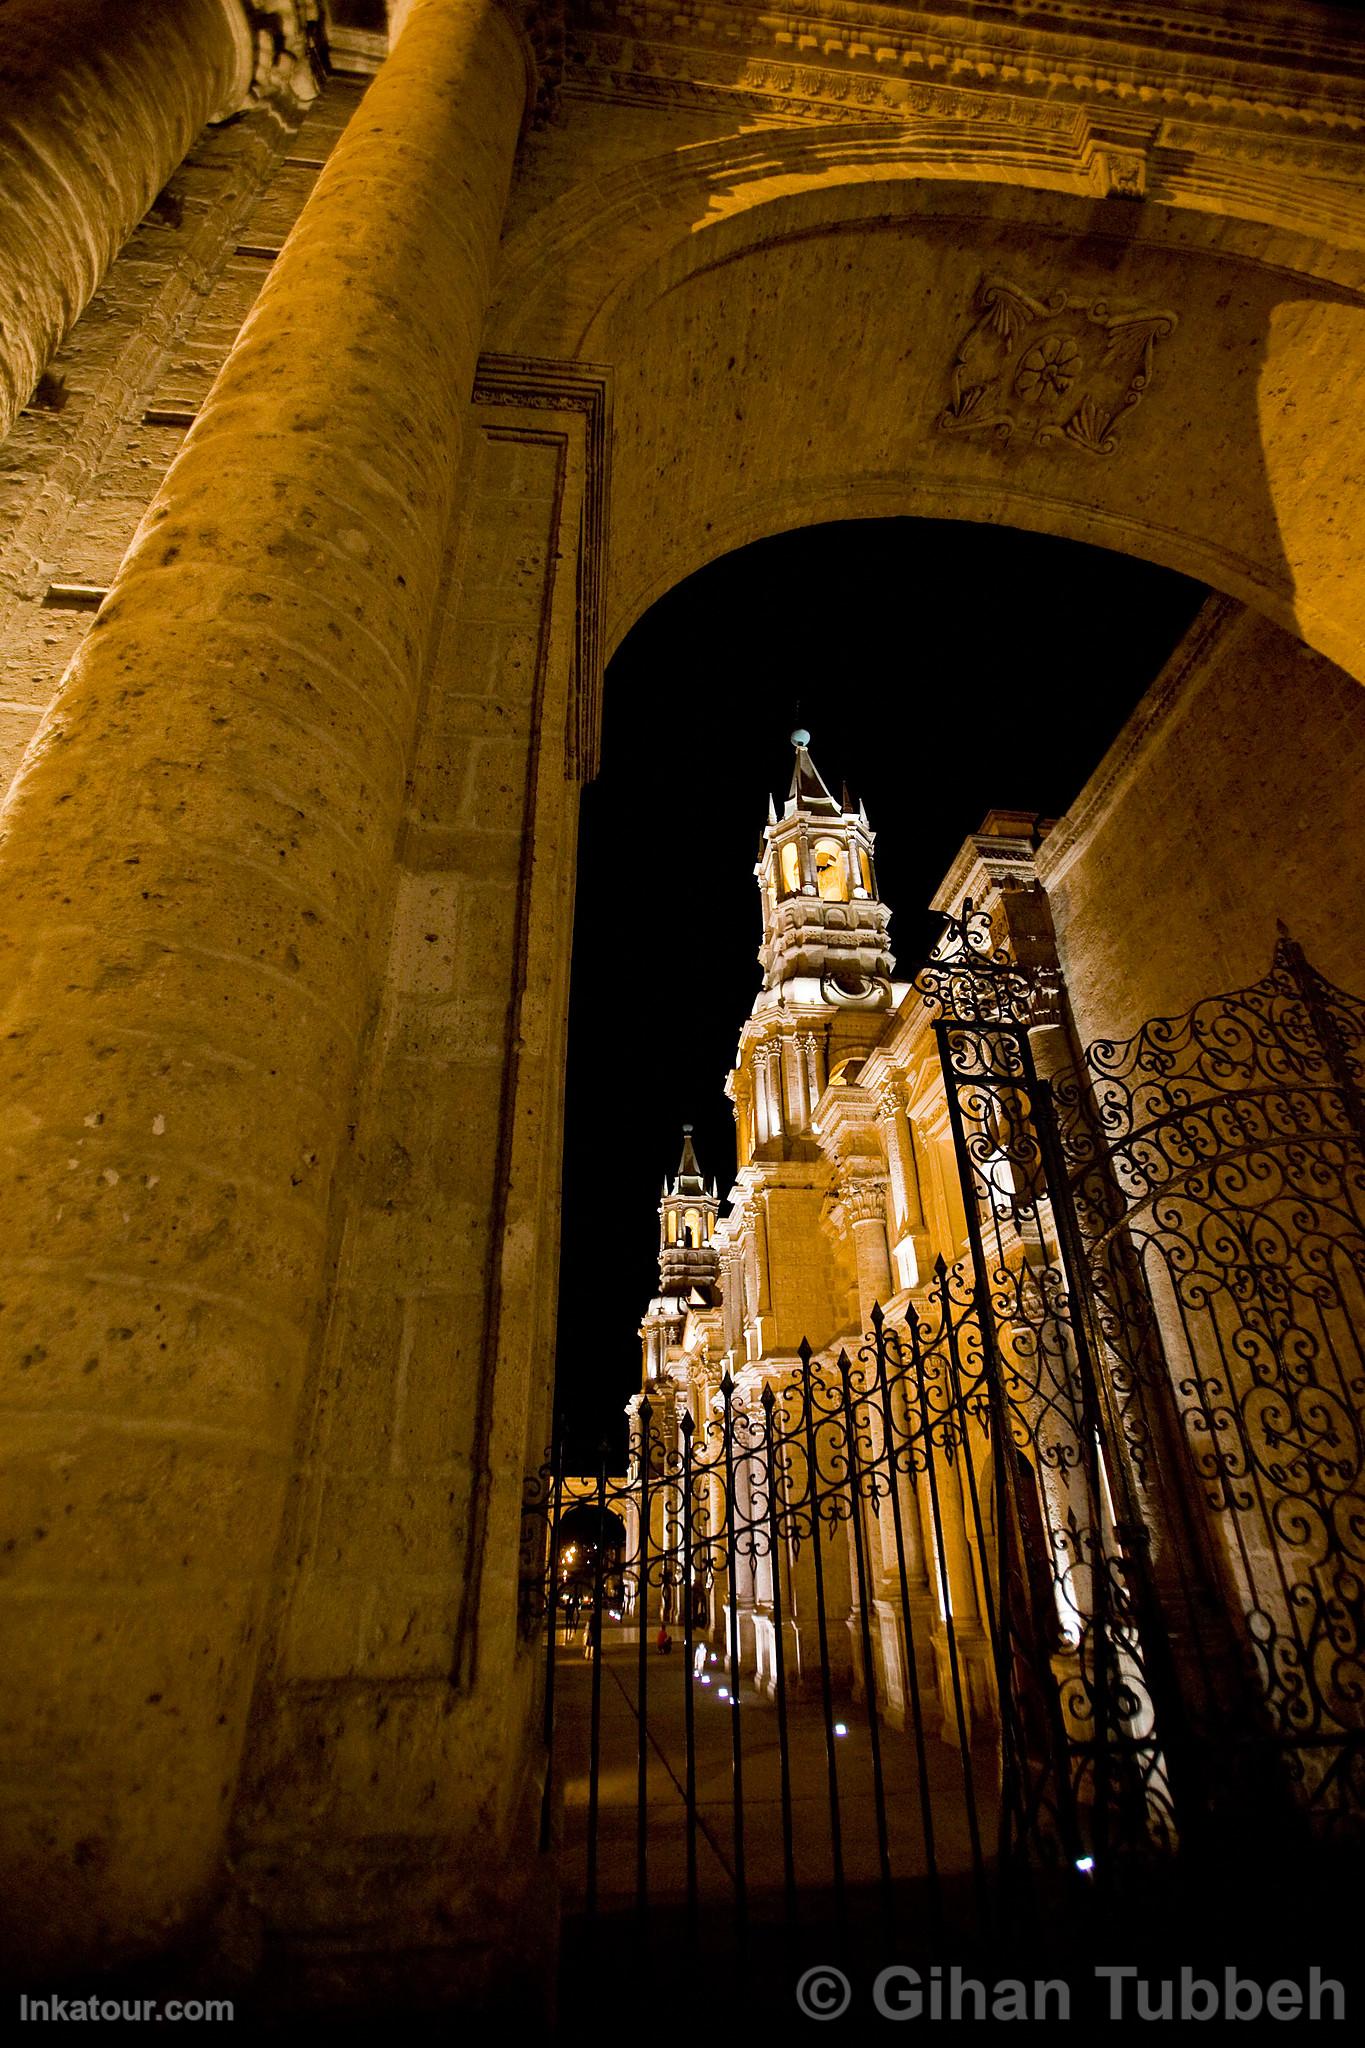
{"x":768,"y":1397}
{"x":685,"y":1426}
{"x":803,"y":1349}
{"x":877,"y":1317}
{"x":941,"y":1267}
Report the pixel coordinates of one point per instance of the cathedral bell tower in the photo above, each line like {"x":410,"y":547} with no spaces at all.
{"x":688,"y":1261}
{"x":827,"y":967}
{"x":822,"y":920}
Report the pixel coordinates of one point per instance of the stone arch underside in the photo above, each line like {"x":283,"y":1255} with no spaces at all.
{"x":783,"y":316}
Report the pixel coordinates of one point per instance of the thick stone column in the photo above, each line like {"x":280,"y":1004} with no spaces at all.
{"x":196,"y":868}
{"x":99,"y":101}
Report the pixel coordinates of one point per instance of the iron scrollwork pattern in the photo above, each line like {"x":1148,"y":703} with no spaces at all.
{"x":1217,"y":1161}
{"x":1075,"y":1591}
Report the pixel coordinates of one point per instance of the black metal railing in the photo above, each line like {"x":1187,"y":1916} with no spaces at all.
{"x":1047,"y":1579}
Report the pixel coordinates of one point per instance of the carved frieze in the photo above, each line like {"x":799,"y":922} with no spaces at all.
{"x":865,"y":55}
{"x":1057,"y":371}
{"x":1151,"y":109}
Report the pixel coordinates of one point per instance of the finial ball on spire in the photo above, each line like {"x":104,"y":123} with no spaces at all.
{"x":687,"y":1130}
{"x":800,"y":738}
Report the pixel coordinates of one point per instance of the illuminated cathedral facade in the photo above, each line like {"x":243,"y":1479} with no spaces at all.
{"x":845,"y":1194}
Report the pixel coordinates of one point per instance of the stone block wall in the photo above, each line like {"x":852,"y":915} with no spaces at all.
{"x":1233,"y":799}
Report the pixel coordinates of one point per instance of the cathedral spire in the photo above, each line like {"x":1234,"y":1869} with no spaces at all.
{"x":688,"y":1263}
{"x":688,"y":1180}
{"x":821,"y":914}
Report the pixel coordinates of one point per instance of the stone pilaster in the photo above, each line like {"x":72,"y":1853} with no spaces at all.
{"x":198,"y":868}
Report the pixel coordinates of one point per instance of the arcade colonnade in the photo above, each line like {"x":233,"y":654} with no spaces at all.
{"x":287,"y":857}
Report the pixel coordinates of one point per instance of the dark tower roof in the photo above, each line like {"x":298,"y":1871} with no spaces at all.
{"x":808,"y":789}
{"x":687,"y":1180}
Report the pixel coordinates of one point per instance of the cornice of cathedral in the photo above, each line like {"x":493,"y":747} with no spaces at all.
{"x":1144,"y":85}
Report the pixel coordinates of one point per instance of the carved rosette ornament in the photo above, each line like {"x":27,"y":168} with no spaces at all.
{"x":1056,"y":371}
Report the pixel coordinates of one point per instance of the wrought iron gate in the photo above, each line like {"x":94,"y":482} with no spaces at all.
{"x":964,"y":1609}
{"x":1217,"y":1167}
{"x":865,"y":1590}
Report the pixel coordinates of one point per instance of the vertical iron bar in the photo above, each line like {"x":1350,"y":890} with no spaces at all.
{"x":1102,"y":1429}
{"x":548,"y":1723}
{"x":642,"y":1673}
{"x":995,"y":1600}
{"x":907,"y":1620}
{"x":769,"y":1400}
{"x":1000,"y":1410}
{"x":869,"y":1660}
{"x":1076,"y":1283}
{"x":727,"y":1388}
{"x":826,"y":1694}
{"x":949,"y":1626}
{"x":1187,"y":1772}
{"x":595,"y":1735}
{"x":689,"y":1704}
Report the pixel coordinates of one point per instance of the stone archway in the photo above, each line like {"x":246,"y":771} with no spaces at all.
{"x":666,"y":326}
{"x":354,"y":1099}
{"x":1234,"y":464}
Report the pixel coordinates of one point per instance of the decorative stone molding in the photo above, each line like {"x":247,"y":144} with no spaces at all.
{"x":550,"y":386}
{"x":860,"y":61}
{"x":1054,"y":370}
{"x":1150,"y":104}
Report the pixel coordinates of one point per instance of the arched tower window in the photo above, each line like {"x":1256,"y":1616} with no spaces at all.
{"x":692,"y":1230}
{"x":865,"y":869}
{"x":791,"y":868}
{"x":831,"y":873}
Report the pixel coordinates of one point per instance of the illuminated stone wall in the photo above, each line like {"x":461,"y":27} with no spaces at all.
{"x":1233,"y":799}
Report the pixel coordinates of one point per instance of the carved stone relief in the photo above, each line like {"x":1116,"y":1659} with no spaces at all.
{"x":1060,"y":370}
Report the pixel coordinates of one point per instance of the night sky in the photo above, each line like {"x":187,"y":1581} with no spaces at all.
{"x":942,"y":669}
